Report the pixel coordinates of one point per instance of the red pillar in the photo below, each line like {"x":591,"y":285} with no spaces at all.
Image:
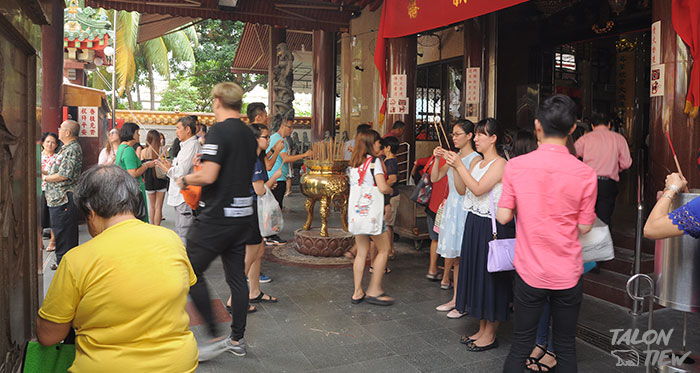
{"x":667,"y":112}
{"x":52,"y":68}
{"x":277,"y":35}
{"x":403,"y":59}
{"x":323,"y":94}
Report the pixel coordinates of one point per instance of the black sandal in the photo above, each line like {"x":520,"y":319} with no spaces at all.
{"x":465,"y":340}
{"x":379,"y":302}
{"x":357,"y":301}
{"x":260,"y":299}
{"x":533,"y":360}
{"x":545,"y":366}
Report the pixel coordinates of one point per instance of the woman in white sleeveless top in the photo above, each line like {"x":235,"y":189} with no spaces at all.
{"x":482,"y":294}
{"x":453,"y":216}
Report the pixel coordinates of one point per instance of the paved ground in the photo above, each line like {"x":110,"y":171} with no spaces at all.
{"x":314,"y":328}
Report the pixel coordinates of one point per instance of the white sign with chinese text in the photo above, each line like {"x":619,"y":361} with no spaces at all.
{"x":398,"y":85}
{"x":397,"y":105}
{"x":656,"y":43}
{"x":88,"y":119}
{"x":472,"y":91}
{"x":657,"y":80}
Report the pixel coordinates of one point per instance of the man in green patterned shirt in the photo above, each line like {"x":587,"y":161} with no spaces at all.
{"x":60,"y":184}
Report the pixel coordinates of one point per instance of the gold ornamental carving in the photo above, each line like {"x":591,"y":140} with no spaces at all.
{"x":326,"y":182}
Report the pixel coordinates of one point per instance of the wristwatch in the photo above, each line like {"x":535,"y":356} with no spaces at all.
{"x":184,"y":182}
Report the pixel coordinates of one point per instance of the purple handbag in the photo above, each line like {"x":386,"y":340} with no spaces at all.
{"x":501,"y":252}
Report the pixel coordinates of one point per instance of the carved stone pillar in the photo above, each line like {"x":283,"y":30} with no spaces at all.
{"x":403,"y":59}
{"x":323,"y":94}
{"x":277,"y":35}
{"x":52,"y":66}
{"x":667,"y":112}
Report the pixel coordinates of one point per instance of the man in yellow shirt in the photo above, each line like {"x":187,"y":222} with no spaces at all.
{"x":124,"y":291}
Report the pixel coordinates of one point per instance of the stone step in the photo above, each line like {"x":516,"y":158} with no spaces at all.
{"x":623,"y":263}
{"x":609,"y":286}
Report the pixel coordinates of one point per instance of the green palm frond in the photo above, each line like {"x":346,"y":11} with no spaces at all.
{"x":181,"y":46}
{"x":192,"y":35}
{"x":156,"y":54}
{"x":127,"y":34}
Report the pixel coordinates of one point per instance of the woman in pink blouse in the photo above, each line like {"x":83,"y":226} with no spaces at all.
{"x":49,"y":148}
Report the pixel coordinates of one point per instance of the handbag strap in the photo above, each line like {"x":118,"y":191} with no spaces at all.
{"x":365,"y":167}
{"x":493,"y":216}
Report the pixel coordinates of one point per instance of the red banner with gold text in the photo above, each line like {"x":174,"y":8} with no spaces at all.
{"x":406,"y":17}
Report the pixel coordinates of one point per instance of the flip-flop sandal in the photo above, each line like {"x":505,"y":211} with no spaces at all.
{"x":357,"y":301}
{"x":446,"y":286}
{"x":260,"y":299}
{"x":434,"y":277}
{"x":379,"y":302}
{"x":51,"y":247}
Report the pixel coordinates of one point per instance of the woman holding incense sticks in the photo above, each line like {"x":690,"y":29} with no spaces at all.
{"x":683,"y":220}
{"x":453,"y":215}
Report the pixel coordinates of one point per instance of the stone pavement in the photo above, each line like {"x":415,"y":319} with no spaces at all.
{"x":315,"y":328}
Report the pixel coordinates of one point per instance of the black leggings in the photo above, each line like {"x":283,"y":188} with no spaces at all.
{"x":529,"y":302}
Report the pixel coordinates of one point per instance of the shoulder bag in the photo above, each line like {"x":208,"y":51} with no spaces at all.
{"x":365,"y":205}
{"x":424,"y":188}
{"x":501,"y":252}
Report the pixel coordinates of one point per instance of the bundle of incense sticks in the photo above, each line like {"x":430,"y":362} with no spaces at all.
{"x":675,"y":158}
{"x":327,"y":151}
{"x":440,"y":129}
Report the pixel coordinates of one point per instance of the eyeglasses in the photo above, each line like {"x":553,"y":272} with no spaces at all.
{"x":288,"y":126}
{"x":455,"y":134}
{"x":265,"y":137}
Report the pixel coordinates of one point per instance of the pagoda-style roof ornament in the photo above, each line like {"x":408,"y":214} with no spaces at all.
{"x":85,"y":27}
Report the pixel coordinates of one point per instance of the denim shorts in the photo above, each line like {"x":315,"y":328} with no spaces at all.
{"x":431,"y":223}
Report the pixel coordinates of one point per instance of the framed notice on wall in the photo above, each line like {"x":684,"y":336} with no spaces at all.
{"x":88,"y":119}
{"x":656,"y":43}
{"x":398,"y":85}
{"x":397,"y":105}
{"x":471,"y":93}
{"x":657,"y":80}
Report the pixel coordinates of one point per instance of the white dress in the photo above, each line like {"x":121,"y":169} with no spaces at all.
{"x":453,"y":216}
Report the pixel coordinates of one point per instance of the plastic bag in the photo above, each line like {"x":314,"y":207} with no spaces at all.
{"x":270,"y":218}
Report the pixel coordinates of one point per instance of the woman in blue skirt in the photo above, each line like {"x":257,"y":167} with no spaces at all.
{"x":482,"y":294}
{"x":453,"y":215}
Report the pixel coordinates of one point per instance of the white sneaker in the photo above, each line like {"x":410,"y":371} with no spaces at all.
{"x":236,"y":349}
{"x":211,"y":350}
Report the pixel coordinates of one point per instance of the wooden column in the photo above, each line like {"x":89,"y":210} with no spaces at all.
{"x":480,"y":47}
{"x":277,"y":35}
{"x":667,"y":112}
{"x":323,"y":94}
{"x":52,"y":68}
{"x":403,"y":59}
{"x":346,"y":70}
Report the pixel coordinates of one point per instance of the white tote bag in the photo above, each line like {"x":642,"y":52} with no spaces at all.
{"x":365,"y":206}
{"x":269,"y":214}
{"x":597,"y":244}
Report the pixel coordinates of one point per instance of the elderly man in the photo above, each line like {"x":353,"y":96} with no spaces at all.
{"x":125,"y":290}
{"x":182,"y":165}
{"x":60,"y":185}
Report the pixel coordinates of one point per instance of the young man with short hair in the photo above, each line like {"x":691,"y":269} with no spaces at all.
{"x":553,"y":195}
{"x":397,"y":130}
{"x":221,"y":227}
{"x":257,"y":113}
